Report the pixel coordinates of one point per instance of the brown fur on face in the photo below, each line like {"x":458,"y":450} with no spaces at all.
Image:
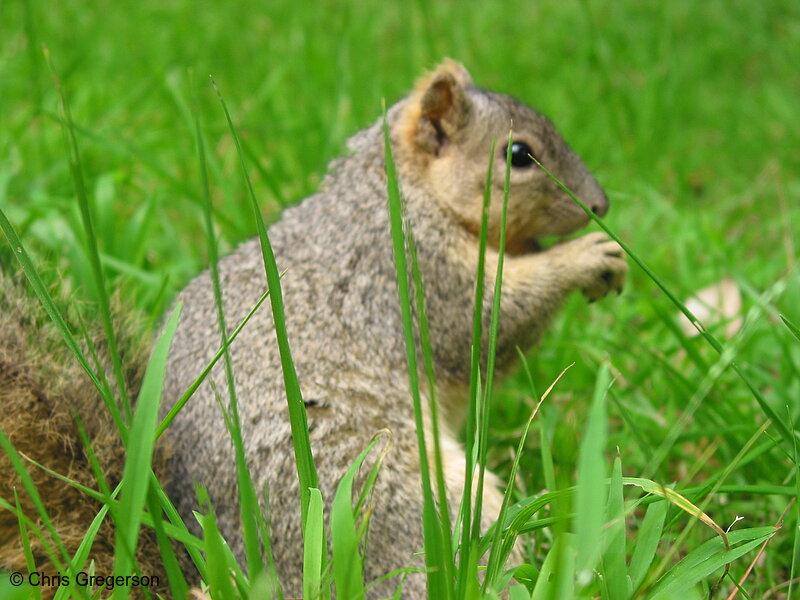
{"x":42,"y":391}
{"x":447,"y":146}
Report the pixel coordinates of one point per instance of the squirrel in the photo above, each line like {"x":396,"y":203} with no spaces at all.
{"x":343,"y":316}
{"x":344,"y":320}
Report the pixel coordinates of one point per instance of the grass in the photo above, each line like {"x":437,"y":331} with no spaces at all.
{"x":685,"y":111}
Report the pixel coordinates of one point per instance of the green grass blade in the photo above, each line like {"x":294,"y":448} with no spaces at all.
{"x":82,"y":553}
{"x":173,"y":412}
{"x":313,"y":546}
{"x":365,"y":498}
{"x":136,"y":473}
{"x":10,"y":591}
{"x":175,"y":578}
{"x":589,"y":512}
{"x":519,"y":516}
{"x":105,"y":390}
{"x":677,"y":499}
{"x":306,"y":471}
{"x":54,"y":547}
{"x":791,"y":326}
{"x":556,"y":577}
{"x":176,"y":528}
{"x":97,"y":469}
{"x":706,"y":559}
{"x":518,"y":592}
{"x":697,"y":512}
{"x":427,"y":357}
{"x":468,"y":561}
{"x":348,"y":565}
{"x":438,"y":586}
{"x":614,"y":568}
{"x":496,"y":557}
{"x":796,"y":499}
{"x":346,"y":539}
{"x":218,"y":555}
{"x":494,"y":324}
{"x":548,"y":468}
{"x":76,"y":169}
{"x":99,"y":496}
{"x":263,"y":586}
{"x":647,"y":542}
{"x":25,"y":543}
{"x":248,"y":503}
{"x":269,"y":576}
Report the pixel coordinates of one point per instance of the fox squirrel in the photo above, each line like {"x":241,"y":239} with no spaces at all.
{"x":344,"y":321}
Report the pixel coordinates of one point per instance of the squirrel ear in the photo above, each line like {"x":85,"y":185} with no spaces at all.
{"x":440,"y":106}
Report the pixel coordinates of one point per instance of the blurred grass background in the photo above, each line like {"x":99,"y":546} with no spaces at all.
{"x":687,"y":112}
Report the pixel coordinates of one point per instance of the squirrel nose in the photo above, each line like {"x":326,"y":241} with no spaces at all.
{"x":599,"y":205}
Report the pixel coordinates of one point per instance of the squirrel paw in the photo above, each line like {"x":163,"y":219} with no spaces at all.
{"x":598,"y":264}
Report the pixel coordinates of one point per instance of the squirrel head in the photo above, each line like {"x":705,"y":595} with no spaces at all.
{"x":446,"y":129}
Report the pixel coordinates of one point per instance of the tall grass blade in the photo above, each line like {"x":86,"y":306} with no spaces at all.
{"x":678,"y":500}
{"x":555,"y":580}
{"x":486,"y":401}
{"x":82,"y":553}
{"x":76,"y":169}
{"x":313,"y":547}
{"x":54,"y":547}
{"x":137,"y":470}
{"x":518,"y":592}
{"x":175,"y":578}
{"x":497,"y":556}
{"x":682,"y":502}
{"x":796,"y":500}
{"x":25,"y":543}
{"x":614,"y":567}
{"x":306,"y":471}
{"x":427,"y":358}
{"x":591,"y":484}
{"x":10,"y":591}
{"x":219,"y":576}
{"x":438,"y":586}
{"x":468,"y":560}
{"x":348,"y":565}
{"x":248,"y":503}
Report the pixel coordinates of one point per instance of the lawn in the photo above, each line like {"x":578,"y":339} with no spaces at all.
{"x":688,"y":113}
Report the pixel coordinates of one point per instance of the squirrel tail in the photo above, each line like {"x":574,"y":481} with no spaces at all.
{"x":44,"y":393}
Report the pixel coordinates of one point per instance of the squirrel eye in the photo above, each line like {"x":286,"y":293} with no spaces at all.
{"x":520,"y":154}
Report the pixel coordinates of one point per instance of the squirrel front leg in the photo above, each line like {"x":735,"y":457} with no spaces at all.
{"x":593,"y":264}
{"x":535,"y":285}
